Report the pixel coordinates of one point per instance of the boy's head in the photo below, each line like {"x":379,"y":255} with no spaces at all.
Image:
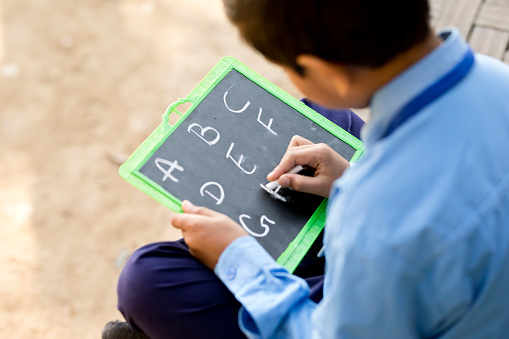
{"x":365,"y":33}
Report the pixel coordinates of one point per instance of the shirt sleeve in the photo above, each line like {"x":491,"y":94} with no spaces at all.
{"x":275,"y":303}
{"x":368,"y":293}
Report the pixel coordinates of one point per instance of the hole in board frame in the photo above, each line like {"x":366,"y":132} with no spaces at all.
{"x":175,"y":111}
{"x":178,"y":112}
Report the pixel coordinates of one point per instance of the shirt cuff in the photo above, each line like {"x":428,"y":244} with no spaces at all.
{"x":240,"y":261}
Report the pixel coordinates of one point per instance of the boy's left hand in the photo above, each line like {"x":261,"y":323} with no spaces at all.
{"x":206,"y":232}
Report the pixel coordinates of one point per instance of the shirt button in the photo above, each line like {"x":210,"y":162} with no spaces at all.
{"x":231,"y":273}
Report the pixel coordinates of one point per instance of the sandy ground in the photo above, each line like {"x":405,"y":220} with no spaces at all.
{"x":82,"y":84}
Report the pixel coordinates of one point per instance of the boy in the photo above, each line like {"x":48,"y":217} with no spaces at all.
{"x":417,"y":233}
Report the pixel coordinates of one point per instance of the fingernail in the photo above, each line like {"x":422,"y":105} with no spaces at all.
{"x":186,"y":205}
{"x":284,"y":181}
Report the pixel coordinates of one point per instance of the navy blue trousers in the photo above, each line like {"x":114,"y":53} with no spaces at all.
{"x":165,"y":292}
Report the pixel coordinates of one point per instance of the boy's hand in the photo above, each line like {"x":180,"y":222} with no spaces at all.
{"x":328,"y":166}
{"x":206,"y":232}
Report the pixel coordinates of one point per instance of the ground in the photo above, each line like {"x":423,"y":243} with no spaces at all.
{"x":82,"y":84}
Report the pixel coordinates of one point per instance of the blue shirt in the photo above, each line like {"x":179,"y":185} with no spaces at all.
{"x":417,"y":234}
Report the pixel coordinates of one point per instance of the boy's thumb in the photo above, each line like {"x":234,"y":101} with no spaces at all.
{"x":300,"y":183}
{"x":188,"y":207}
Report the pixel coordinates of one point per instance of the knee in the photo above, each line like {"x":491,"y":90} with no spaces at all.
{"x":147,"y":271}
{"x":145,"y":286}
{"x":162,"y":287}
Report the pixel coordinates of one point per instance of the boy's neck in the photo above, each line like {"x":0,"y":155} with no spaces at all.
{"x":372,"y":79}
{"x":406,"y":59}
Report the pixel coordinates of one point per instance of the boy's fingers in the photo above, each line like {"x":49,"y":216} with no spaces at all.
{"x":297,"y":140}
{"x":185,"y":220}
{"x":288,"y":162}
{"x":303,"y":155}
{"x":302,"y":183}
{"x":194,"y":216}
{"x":188,"y":207}
{"x":282,"y":168}
{"x":178,"y":222}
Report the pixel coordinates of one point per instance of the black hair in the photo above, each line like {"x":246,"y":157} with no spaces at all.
{"x":355,"y":32}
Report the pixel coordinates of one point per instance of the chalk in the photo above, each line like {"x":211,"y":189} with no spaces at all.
{"x":321,"y":253}
{"x":273,"y":184}
{"x":273,"y":187}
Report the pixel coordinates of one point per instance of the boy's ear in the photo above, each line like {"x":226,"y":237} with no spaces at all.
{"x":337,"y":73}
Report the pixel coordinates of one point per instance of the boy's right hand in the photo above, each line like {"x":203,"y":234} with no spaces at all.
{"x":328,"y":166}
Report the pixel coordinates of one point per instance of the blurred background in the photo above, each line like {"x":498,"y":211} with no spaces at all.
{"x":82,"y":84}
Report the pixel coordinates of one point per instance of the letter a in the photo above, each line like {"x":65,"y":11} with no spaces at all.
{"x":167,"y":172}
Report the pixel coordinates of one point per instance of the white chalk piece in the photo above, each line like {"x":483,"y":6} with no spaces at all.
{"x":121,"y":258}
{"x":273,"y":184}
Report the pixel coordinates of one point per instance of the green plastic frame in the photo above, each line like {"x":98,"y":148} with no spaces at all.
{"x":296,"y":250}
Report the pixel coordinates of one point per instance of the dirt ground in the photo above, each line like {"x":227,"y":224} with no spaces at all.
{"x":82,"y":84}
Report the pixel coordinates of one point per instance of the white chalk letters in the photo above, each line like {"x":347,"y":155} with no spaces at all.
{"x":211,"y":136}
{"x":232,"y":110}
{"x":243,"y":109}
{"x":239,"y":162}
{"x":268,"y":125}
{"x":219,"y":199}
{"x":262,"y":224}
{"x":203,"y":131}
{"x":173,"y":165}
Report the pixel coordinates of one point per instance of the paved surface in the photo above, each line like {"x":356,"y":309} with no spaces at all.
{"x":485,"y":23}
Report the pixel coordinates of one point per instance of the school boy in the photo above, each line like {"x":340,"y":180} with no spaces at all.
{"x":417,"y":233}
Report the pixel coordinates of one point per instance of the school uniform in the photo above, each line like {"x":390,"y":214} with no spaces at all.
{"x":417,"y":233}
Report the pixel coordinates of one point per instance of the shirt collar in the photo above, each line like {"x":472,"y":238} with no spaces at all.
{"x":393,"y":96}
